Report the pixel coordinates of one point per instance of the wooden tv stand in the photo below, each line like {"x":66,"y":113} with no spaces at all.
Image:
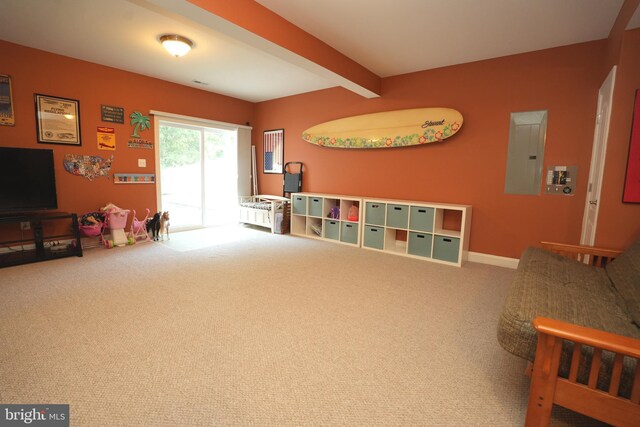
{"x":22,"y":244}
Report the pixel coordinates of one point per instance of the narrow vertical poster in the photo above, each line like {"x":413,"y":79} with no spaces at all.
{"x":273,"y":141}
{"x":6,"y":101}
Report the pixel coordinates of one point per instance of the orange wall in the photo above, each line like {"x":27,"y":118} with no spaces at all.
{"x":468,"y":168}
{"x":35,"y":71}
{"x":619,"y":223}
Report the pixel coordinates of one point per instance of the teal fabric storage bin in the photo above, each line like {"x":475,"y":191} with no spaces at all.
{"x":446,"y":248}
{"x":420,"y":244}
{"x":397,"y":216}
{"x":332,"y":229}
{"x":374,"y":213}
{"x":315,"y":206}
{"x":373,"y":237}
{"x":300,"y":205}
{"x":349,"y":233}
{"x":421,"y":218}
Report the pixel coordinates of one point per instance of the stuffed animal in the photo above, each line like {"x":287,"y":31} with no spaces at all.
{"x":153,"y":226}
{"x":164,"y":225}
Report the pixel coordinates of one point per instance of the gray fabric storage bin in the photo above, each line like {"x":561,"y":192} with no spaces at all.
{"x":397,"y":216}
{"x":300,"y":205}
{"x":373,"y":237}
{"x":332,"y":229}
{"x":374,"y":213}
{"x":421,"y":218}
{"x":315,"y":206}
{"x":420,"y":244}
{"x":446,"y":248}
{"x":349,"y":232}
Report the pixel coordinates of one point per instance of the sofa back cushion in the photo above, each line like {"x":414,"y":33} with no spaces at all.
{"x":624,"y":273}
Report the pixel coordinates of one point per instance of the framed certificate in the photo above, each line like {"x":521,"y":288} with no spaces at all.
{"x":57,"y":120}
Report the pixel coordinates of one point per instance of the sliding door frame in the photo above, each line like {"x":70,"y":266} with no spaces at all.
{"x":243,"y":138}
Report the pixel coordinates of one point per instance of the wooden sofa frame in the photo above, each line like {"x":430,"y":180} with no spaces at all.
{"x":548,"y":388}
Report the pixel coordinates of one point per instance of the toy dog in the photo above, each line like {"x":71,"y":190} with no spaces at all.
{"x":164,"y":225}
{"x":153,"y":226}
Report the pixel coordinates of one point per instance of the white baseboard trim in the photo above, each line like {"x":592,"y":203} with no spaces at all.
{"x":499,"y":261}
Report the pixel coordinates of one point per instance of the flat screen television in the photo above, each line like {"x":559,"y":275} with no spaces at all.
{"x":27,"y":180}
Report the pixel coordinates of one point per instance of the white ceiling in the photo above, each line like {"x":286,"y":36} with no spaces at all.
{"x":391,"y":37}
{"x":388,"y":37}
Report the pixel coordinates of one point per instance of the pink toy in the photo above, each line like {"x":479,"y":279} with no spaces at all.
{"x":116,"y":221}
{"x":138,"y":230}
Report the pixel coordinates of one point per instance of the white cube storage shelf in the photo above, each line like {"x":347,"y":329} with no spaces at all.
{"x":414,"y":229}
{"x":311,"y":217}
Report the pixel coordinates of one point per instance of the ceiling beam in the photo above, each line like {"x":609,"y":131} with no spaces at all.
{"x":627,"y":11}
{"x":258,"y":27}
{"x":616,"y":35}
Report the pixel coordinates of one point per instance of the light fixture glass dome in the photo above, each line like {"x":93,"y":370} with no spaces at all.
{"x":176,"y":45}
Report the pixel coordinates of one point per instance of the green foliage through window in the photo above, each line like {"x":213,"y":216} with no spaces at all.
{"x":180,"y":146}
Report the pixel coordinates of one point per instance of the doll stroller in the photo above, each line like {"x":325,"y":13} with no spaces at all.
{"x":116,"y":222}
{"x":138,"y":230}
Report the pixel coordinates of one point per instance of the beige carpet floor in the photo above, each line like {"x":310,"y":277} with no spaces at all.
{"x":249,"y":328}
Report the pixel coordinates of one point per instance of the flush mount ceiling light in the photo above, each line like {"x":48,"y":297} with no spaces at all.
{"x":176,"y":45}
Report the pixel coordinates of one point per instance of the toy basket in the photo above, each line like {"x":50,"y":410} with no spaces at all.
{"x":89,"y":229}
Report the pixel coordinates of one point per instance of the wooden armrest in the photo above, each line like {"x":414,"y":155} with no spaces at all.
{"x":599,"y":397}
{"x":592,"y":337}
{"x":587,"y":254}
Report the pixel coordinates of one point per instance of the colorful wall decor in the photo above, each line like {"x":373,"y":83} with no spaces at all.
{"x":87,"y":166}
{"x":106,"y":138}
{"x":400,"y":128}
{"x":139,"y":123}
{"x":134,"y":178}
{"x":6,"y":101}
{"x":631,"y":192}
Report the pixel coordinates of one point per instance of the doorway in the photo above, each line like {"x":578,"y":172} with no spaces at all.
{"x":596,"y":170}
{"x":198,"y":168}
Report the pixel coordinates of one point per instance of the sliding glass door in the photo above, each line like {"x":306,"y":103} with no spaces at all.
{"x":198,"y":174}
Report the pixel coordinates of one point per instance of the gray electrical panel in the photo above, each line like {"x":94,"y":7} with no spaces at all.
{"x":561,"y":180}
{"x":527,"y":134}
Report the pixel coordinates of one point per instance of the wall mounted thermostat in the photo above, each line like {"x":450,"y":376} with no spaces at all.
{"x":561,"y":180}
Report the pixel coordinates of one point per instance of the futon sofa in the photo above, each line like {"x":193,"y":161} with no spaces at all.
{"x":574,"y":312}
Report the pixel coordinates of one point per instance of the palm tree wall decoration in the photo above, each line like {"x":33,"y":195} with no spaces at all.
{"x":139,"y":122}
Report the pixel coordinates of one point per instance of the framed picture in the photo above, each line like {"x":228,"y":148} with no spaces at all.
{"x":273,"y":142}
{"x":6,"y":101}
{"x":631,"y":193}
{"x":57,"y":120}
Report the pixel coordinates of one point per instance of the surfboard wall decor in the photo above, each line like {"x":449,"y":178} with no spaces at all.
{"x":400,"y":128}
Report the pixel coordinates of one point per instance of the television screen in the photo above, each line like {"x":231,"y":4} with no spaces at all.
{"x":27,"y":180}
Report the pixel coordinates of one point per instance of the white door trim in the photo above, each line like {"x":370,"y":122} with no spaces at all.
{"x":598,"y":154}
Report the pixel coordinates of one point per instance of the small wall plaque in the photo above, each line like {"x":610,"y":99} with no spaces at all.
{"x":112,"y":114}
